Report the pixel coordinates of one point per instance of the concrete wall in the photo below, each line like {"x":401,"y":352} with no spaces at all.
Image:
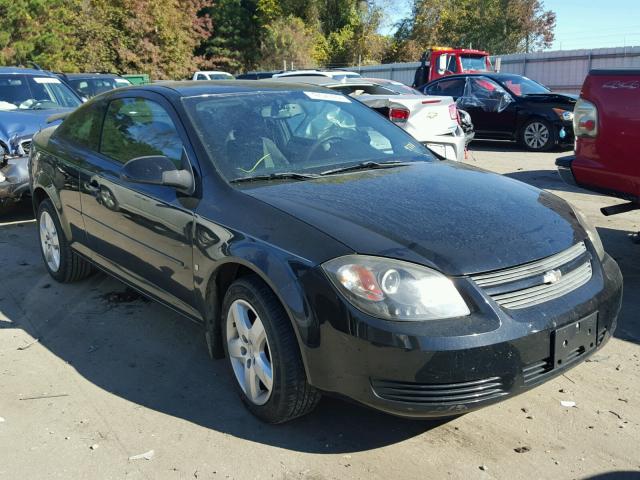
{"x":563,"y":70}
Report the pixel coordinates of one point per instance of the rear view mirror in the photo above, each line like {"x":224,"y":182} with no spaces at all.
{"x":287,"y":110}
{"x":157,"y":170}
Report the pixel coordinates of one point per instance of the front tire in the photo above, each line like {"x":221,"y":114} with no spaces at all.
{"x":537,"y":135}
{"x":62,"y":263}
{"x":263,"y":355}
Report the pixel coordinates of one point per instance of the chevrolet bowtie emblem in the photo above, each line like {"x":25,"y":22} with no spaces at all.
{"x":552,"y":276}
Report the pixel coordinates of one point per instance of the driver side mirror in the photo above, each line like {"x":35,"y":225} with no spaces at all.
{"x":442,"y":64}
{"x":157,"y":170}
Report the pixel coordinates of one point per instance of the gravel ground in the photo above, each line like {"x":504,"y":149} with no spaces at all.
{"x":90,"y":378}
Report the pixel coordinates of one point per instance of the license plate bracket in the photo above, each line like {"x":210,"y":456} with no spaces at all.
{"x":573,"y":341}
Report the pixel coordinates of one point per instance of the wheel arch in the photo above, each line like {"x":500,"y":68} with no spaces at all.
{"x":222,"y":277}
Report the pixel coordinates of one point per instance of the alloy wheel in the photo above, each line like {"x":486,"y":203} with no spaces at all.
{"x":49,"y":241}
{"x":536,"y":135}
{"x":249,"y":352}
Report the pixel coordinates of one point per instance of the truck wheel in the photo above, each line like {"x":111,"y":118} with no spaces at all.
{"x":537,"y":135}
{"x":62,"y":263}
{"x":263,"y":355}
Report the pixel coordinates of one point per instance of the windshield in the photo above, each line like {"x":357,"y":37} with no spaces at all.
{"x":342,"y":76}
{"x":473,"y":63}
{"x":28,"y":92}
{"x":220,"y":76}
{"x":521,"y":86}
{"x":264,"y":133}
{"x":89,"y":87}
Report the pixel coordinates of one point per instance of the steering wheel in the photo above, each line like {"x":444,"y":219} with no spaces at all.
{"x":329,"y":141}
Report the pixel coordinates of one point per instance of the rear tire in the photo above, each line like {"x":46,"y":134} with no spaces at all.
{"x":62,"y":263}
{"x":263,"y":355}
{"x":537,"y":135}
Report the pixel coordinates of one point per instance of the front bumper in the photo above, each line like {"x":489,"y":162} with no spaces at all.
{"x":14,"y":179}
{"x":443,"y":368}
{"x":564,"y":169}
{"x":565,"y":133}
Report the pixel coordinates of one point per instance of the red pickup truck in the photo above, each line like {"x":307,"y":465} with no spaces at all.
{"x":606,"y":125}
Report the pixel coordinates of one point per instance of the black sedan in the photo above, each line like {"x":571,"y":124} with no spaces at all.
{"x":504,"y":106}
{"x":322,"y":248}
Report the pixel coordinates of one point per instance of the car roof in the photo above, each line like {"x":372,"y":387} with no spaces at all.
{"x":190,"y":88}
{"x":90,"y":75}
{"x":493,"y":75}
{"x":322,"y":81}
{"x":25,"y":71}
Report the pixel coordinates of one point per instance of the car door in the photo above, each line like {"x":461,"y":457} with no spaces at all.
{"x":70,"y":146}
{"x":142,"y":232}
{"x":492,"y":108}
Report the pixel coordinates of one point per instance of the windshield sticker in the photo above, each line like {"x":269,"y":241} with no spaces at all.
{"x":332,"y":97}
{"x":45,"y":80}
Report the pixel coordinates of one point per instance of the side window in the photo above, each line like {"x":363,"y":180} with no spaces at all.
{"x":452,"y":65}
{"x":201,"y":76}
{"x":82,"y":127}
{"x":449,"y":88}
{"x":137,"y":127}
{"x":484,"y":93}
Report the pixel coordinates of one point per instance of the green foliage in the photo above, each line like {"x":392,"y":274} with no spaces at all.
{"x":157,"y":37}
{"x":171,"y":38}
{"x":499,"y":26}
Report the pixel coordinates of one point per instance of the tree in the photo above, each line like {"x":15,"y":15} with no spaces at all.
{"x":499,"y":26}
{"x":287,"y":39}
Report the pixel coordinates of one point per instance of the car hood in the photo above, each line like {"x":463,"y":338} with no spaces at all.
{"x":449,"y":216}
{"x":24,"y":123}
{"x":551,"y":98}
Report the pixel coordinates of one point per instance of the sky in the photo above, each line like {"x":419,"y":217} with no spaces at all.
{"x":579,"y":23}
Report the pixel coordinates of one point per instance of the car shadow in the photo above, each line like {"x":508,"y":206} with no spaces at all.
{"x":508,"y":146}
{"x":20,"y":212}
{"x":545,"y":179}
{"x":619,"y":245}
{"x":144,"y":353}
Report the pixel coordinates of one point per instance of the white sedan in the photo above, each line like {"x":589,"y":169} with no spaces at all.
{"x":432,"y":120}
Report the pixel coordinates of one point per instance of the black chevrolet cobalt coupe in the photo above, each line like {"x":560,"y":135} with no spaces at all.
{"x":322,"y":248}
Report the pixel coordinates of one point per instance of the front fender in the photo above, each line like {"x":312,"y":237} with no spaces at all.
{"x":217,"y":248}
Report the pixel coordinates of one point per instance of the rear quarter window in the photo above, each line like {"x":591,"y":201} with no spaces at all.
{"x":82,"y":127}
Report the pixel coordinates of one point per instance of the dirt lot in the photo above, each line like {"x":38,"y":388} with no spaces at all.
{"x":110,"y":377}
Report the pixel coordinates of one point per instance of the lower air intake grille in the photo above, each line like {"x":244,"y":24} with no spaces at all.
{"x":440,"y":394}
{"x":536,"y":371}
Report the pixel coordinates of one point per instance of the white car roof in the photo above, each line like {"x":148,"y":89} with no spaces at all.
{"x":315,"y":73}
{"x":212,"y":71}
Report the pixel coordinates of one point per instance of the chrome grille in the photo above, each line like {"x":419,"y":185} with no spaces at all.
{"x":574,"y":264}
{"x":530,"y":269}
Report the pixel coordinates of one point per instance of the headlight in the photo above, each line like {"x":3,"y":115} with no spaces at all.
{"x":591,"y":232}
{"x":565,"y":115}
{"x":395,"y":290}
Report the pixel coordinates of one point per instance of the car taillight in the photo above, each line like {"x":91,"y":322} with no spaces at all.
{"x":453,"y":112}
{"x":585,"y":119}
{"x":398,"y":115}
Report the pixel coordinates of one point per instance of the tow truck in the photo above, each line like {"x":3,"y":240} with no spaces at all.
{"x":449,"y":61}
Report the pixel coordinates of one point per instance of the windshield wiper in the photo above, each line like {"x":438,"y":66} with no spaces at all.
{"x":275,"y":176}
{"x":365,"y":166}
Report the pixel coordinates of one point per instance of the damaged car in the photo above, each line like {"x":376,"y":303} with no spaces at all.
{"x":322,"y":248}
{"x":432,"y":120}
{"x":505,"y":106}
{"x":28,"y":97}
